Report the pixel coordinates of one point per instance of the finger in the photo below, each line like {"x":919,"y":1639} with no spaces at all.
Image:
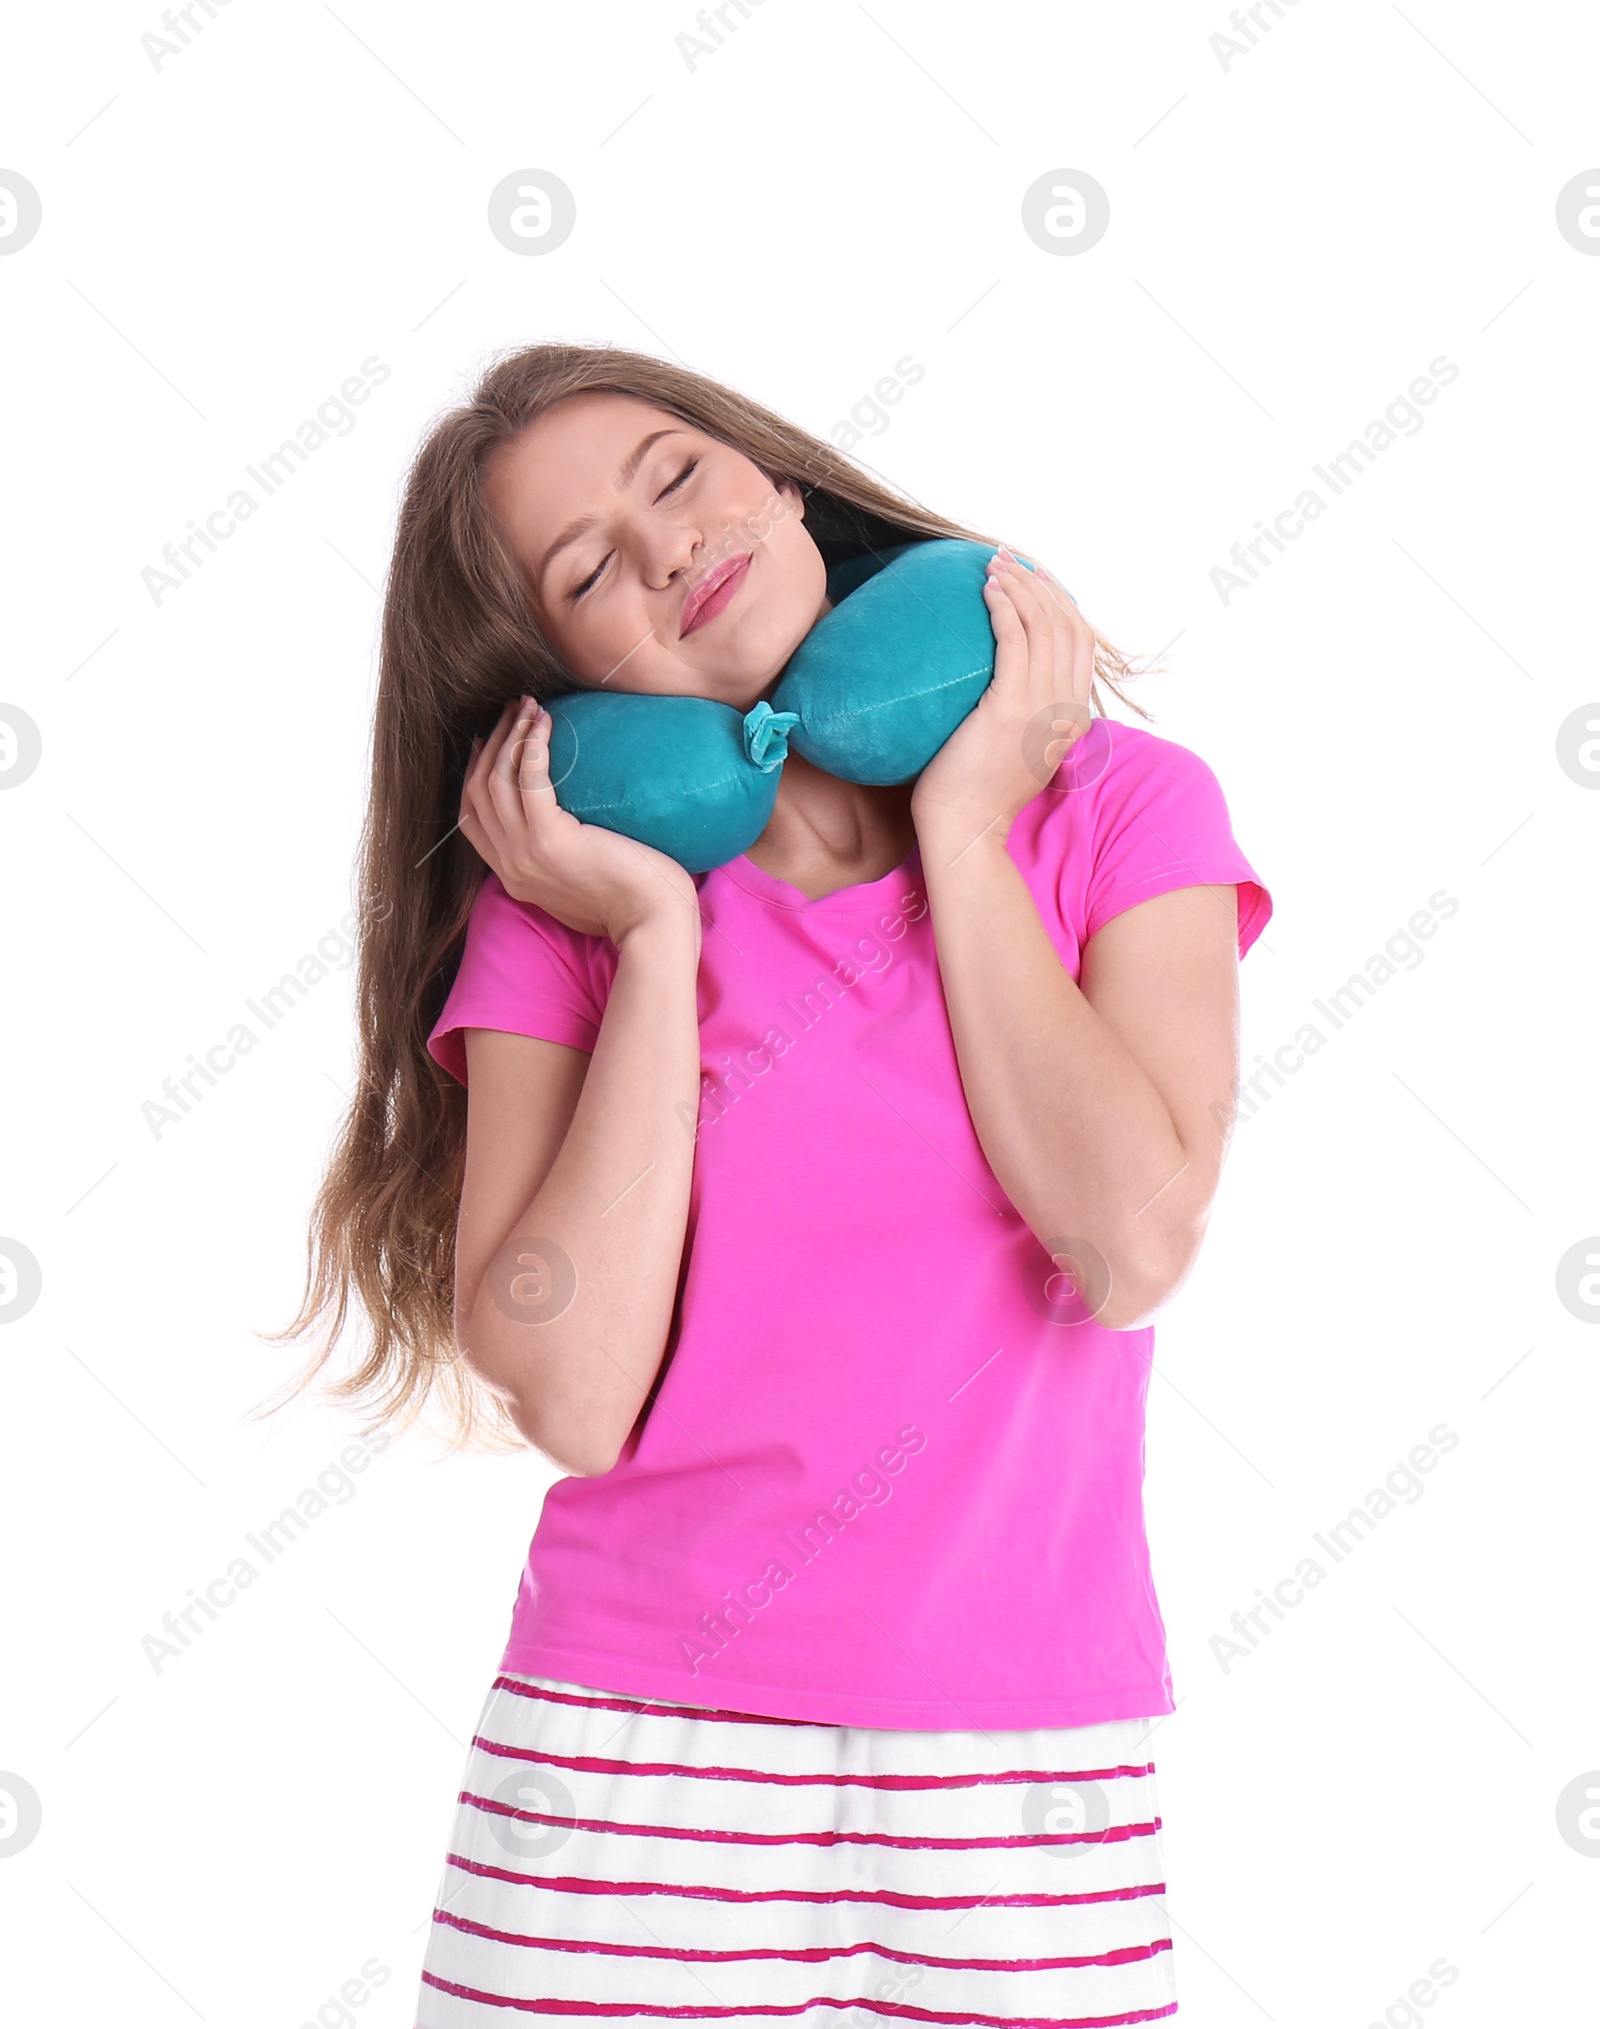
{"x":485,"y":748}
{"x":475,"y":835}
{"x":489,"y":749}
{"x":1073,"y":637}
{"x":485,"y":785}
{"x":1031,"y":596}
{"x":1038,"y":614}
{"x":500,"y":778}
{"x":1071,"y":667}
{"x":1083,"y":645}
{"x":1050,"y":587}
{"x":532,"y":765}
{"x":1009,"y":635}
{"x":1060,"y":591}
{"x":1039,"y":587}
{"x":472,"y":776}
{"x":475,"y":820}
{"x":1054,"y":587}
{"x":521,"y":783}
{"x":1006,"y":572}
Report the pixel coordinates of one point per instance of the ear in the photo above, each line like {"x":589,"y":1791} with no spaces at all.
{"x":791,"y":495}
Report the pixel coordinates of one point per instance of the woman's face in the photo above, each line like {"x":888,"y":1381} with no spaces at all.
{"x":656,"y":558}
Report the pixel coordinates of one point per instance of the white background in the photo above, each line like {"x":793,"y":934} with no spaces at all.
{"x":1293,"y":239}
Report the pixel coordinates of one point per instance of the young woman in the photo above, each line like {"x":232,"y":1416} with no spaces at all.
{"x":808,"y":1214}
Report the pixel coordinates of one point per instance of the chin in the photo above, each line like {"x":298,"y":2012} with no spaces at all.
{"x":741,"y":696}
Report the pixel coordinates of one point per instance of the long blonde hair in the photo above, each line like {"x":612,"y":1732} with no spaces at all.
{"x":458,"y":640}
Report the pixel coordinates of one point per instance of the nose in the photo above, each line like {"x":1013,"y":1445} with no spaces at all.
{"x":672,"y":553}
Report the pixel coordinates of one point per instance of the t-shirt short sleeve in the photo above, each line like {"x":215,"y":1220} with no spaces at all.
{"x":520,"y":970}
{"x":1161,"y":822}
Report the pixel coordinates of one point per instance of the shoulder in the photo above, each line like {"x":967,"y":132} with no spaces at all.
{"x":500,"y":920}
{"x":1116,"y":766}
{"x":1144,"y":801}
{"x":1130,"y":814}
{"x":512,"y":939}
{"x":521,"y":970}
{"x":1112,"y":780}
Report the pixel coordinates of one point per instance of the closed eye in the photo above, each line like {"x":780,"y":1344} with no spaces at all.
{"x":589,"y":581}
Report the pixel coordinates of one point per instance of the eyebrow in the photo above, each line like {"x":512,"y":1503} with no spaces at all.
{"x":584,"y":522}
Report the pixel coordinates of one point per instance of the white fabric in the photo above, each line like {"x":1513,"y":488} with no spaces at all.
{"x":622,"y":1860}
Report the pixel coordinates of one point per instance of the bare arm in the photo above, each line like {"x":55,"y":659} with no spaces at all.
{"x":591,"y":1158}
{"x":575,"y":1199}
{"x":1102,"y":1108}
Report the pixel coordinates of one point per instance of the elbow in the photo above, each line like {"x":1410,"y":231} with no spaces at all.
{"x":577,"y":1442}
{"x":1125,"y":1311}
{"x":1125,"y":1287}
{"x":1138,"y":1290}
{"x":580,"y":1454}
{"x":577,"y":1445}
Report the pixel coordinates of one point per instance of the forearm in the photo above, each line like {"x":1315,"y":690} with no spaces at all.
{"x":1077,"y":1135}
{"x":614,"y":1204}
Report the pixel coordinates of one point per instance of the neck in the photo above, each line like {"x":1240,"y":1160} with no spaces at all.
{"x":825,"y":834}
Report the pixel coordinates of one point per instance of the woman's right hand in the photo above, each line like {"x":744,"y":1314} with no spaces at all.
{"x":598,"y":882}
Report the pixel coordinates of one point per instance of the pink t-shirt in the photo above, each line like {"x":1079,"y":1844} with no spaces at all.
{"x":891,"y":1474}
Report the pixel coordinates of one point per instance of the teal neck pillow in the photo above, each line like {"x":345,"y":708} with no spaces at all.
{"x":870,"y":695}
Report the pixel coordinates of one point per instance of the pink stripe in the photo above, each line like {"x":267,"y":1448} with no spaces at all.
{"x":590,"y":1764}
{"x":570,"y":1884}
{"x":653,"y":1709}
{"x":1111,"y":1836}
{"x":900,"y":2011}
{"x":811,"y":1955}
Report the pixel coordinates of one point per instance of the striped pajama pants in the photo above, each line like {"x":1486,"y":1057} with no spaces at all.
{"x":630,"y":1860}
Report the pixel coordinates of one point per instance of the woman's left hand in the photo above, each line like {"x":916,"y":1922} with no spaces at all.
{"x":1033,"y":712}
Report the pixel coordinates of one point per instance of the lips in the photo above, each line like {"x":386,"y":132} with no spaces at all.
{"x":714,"y":591}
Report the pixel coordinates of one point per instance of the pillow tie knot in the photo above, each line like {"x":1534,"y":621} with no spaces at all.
{"x":766,"y":735}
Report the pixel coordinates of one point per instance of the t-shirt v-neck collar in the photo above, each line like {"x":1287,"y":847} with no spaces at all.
{"x":860,"y":898}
